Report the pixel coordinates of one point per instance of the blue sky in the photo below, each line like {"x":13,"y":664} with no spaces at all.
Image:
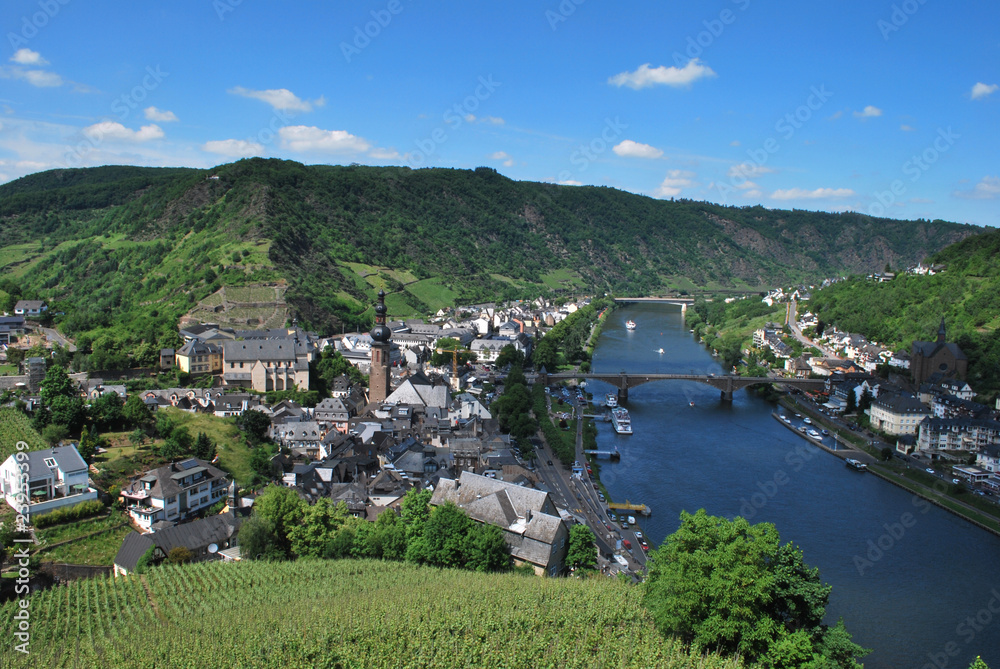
{"x":888,"y":108}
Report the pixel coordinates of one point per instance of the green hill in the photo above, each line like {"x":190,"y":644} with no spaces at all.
{"x":895,"y":313}
{"x":125,"y":251}
{"x":351,"y":613}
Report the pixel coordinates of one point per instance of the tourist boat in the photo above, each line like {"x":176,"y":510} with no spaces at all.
{"x":856,"y":464}
{"x":611,"y":400}
{"x":630,"y":324}
{"x":621,"y":420}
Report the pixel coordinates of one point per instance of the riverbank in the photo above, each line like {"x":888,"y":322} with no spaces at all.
{"x":895,"y":474}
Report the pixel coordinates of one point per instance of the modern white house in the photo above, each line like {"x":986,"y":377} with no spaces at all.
{"x":175,"y":491}
{"x":30,"y":308}
{"x":45,"y":480}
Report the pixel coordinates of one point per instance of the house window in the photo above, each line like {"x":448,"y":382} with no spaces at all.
{"x":50,"y":463}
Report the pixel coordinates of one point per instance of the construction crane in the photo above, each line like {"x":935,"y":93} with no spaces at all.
{"x":628,"y":506}
{"x":454,"y":363}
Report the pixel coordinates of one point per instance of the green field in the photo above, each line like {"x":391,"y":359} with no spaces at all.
{"x":562,"y":278}
{"x":433,"y":293}
{"x":349,"y":613}
{"x":99,"y":549}
{"x":15,"y":427}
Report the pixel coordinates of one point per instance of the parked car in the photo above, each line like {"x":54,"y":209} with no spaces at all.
{"x":929,"y":470}
{"x":627,"y":544}
{"x":638,"y":534}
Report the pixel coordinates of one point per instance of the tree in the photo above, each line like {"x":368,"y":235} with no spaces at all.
{"x":146,"y":560}
{"x":136,"y":413}
{"x":179,"y":555}
{"x":866,"y":399}
{"x":582,"y":552}
{"x":443,"y":541}
{"x":852,"y":402}
{"x":509,"y":355}
{"x":204,"y":447}
{"x":309,"y":537}
{"x":254,"y":425}
{"x":446,"y":345}
{"x":388,"y":540}
{"x":283,"y":508}
{"x":258,"y":540}
{"x":485,"y":549}
{"x":731,"y":586}
{"x":107,"y":412}
{"x":56,"y":384}
{"x":886,"y":454}
{"x":54,"y":433}
{"x":69,"y":412}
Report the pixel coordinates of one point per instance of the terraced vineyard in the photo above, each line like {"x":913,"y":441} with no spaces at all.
{"x":350,"y":613}
{"x":15,"y":427}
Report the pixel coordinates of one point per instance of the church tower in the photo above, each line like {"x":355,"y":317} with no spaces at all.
{"x":379,"y":374}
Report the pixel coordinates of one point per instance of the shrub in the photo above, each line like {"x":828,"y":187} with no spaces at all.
{"x":71,"y":513}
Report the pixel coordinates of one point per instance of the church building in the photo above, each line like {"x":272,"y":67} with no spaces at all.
{"x":937,"y":357}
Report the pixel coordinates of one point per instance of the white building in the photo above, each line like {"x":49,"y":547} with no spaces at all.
{"x":45,"y":480}
{"x":174,"y":492}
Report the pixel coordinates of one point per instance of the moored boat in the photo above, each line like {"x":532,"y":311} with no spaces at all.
{"x":611,"y":400}
{"x":621,"y":421}
{"x":856,"y":464}
{"x":630,"y":324}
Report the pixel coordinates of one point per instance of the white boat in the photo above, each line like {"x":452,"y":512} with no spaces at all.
{"x":691,"y":403}
{"x":630,"y":324}
{"x":856,"y":464}
{"x":660,"y":351}
{"x":814,"y":434}
{"x":621,"y":421}
{"x":807,"y":420}
{"x":611,"y":400}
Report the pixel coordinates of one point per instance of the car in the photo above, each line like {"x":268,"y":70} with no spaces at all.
{"x":613,"y":517}
{"x":627,"y":544}
{"x":638,"y":534}
{"x":608,"y":525}
{"x":624,"y":524}
{"x":929,"y":470}
{"x":956,"y":481}
{"x":549,"y":463}
{"x":644,"y":545}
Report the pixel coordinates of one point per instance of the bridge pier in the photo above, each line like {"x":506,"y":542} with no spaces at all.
{"x":726,"y":395}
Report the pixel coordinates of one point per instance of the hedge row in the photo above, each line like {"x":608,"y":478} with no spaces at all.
{"x":70,"y":513}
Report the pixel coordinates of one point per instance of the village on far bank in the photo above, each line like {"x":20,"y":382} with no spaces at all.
{"x":403,"y":407}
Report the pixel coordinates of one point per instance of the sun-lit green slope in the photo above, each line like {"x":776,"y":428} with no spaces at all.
{"x":966,"y":295}
{"x":350,"y":613}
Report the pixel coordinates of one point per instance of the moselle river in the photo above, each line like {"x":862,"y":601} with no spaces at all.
{"x":911,"y":581}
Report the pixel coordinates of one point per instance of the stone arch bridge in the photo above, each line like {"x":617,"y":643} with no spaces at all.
{"x":727,"y":384}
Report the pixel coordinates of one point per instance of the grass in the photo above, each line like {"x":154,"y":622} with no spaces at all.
{"x":84,"y":549}
{"x":234,"y":454}
{"x":561,"y":278}
{"x":433,"y":293}
{"x":398,"y":306}
{"x":8,"y":370}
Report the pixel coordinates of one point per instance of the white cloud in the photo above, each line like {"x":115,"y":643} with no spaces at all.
{"x":470,"y":118}
{"x":495,"y":120}
{"x":987,"y":189}
{"x":748,"y":171}
{"x":663,"y":75}
{"x":116,"y":131}
{"x":981,"y":90}
{"x":233,"y":148}
{"x":631,"y":149}
{"x":379,"y":153}
{"x":311,"y":138}
{"x":504,"y":156}
{"x":735,"y":142}
{"x":802,"y":194}
{"x":28,"y":57}
{"x":868,"y":112}
{"x":570,"y":182}
{"x":160,"y":115}
{"x":907,"y":128}
{"x":280,"y":98}
{"x":674,"y":183}
{"x":752,"y":193}
{"x":835,"y":115}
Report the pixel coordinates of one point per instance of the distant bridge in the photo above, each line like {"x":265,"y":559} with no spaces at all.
{"x":683,"y":302}
{"x":727,"y":384}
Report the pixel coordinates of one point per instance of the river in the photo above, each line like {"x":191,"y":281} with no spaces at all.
{"x":912,"y":582}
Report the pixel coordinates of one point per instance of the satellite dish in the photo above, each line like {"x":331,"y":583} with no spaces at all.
{"x":213,"y":548}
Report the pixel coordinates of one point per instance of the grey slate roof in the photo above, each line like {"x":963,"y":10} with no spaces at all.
{"x":67,"y":458}
{"x":280,"y":350}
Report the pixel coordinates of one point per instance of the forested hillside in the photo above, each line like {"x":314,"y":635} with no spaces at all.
{"x":966,"y":294}
{"x":125,"y":251}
